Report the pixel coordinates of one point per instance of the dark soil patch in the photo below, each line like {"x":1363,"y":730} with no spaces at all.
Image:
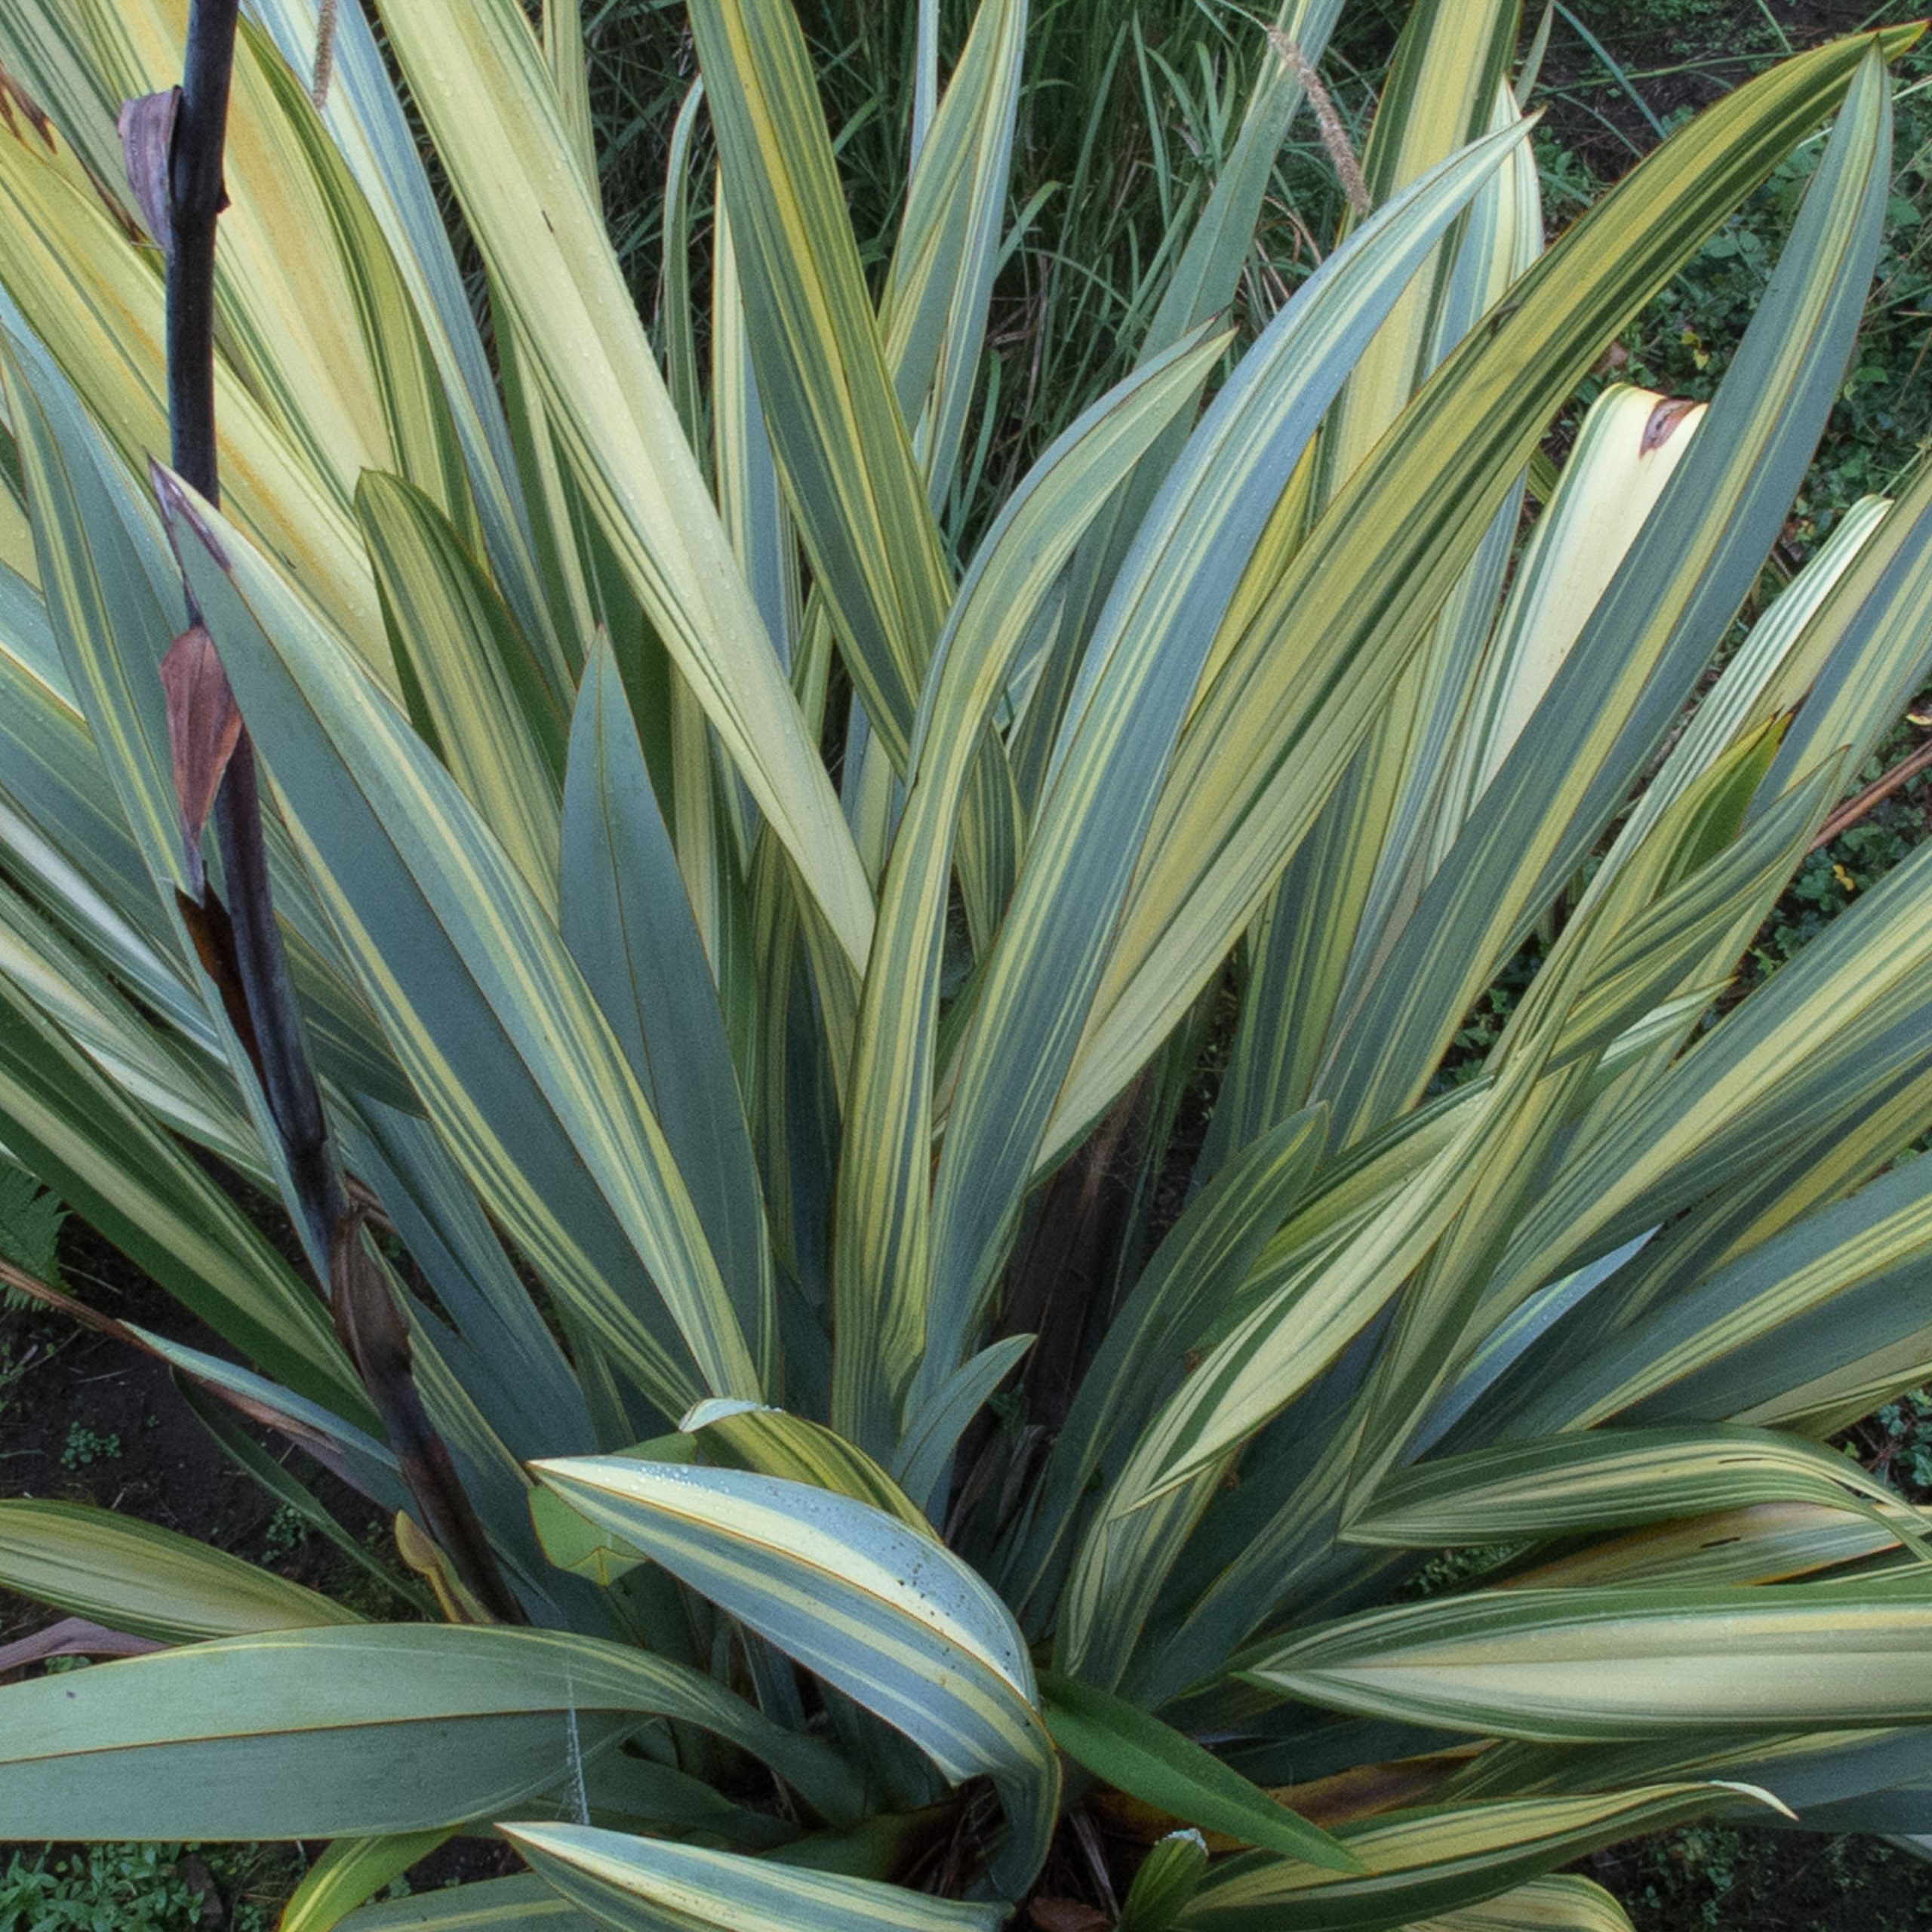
{"x":1755,"y":1881}
{"x":85,"y":1419}
{"x":1674,"y":57}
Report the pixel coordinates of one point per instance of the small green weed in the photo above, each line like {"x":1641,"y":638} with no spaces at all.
{"x":84,"y":1447}
{"x":1906,"y":1451}
{"x":288,"y":1532}
{"x":30,"y":1223}
{"x":1694,"y":1871}
{"x":1723,"y":1876}
{"x":142,"y":1888}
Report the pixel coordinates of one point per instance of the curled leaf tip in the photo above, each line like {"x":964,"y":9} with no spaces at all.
{"x":1663,"y":421}
{"x":146,"y":128}
{"x":178,"y":507}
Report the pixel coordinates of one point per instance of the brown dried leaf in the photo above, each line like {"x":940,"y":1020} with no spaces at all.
{"x":204,"y":728}
{"x":73,"y":1637}
{"x":147,"y":140}
{"x":1365,"y":1791}
{"x":1664,"y":420}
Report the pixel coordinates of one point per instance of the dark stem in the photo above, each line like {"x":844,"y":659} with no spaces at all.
{"x":197,"y":194}
{"x":288,"y":1078}
{"x":372,"y":1328}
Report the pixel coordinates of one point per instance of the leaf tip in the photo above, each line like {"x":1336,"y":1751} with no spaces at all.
{"x":178,"y":506}
{"x":146,"y":128}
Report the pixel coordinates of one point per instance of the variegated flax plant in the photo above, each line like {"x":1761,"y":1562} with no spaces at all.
{"x":718,"y":937}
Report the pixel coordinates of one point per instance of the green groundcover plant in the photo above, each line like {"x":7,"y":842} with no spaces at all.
{"x":752,"y":927}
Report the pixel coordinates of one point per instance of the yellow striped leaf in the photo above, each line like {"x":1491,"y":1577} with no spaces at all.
{"x":481,"y":1002}
{"x":1583,"y":1666}
{"x":483,"y":88}
{"x":646,"y":1884}
{"x":137,"y":1576}
{"x":877,"y":1610}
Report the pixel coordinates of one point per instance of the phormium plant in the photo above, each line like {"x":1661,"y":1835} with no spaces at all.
{"x":745,"y":937}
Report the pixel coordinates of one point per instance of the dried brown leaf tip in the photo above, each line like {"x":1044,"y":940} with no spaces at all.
{"x":1664,"y":420}
{"x":16,"y":104}
{"x":203,"y":727}
{"x":147,"y":137}
{"x":178,"y":506}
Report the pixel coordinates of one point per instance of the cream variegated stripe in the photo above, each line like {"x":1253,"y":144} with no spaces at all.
{"x":1204,"y":280}
{"x":629,"y":928}
{"x":853,"y":480}
{"x":865,"y":1565}
{"x":1564,"y":1903}
{"x":103,"y":1156}
{"x":552,"y":265}
{"x":1873,"y":621}
{"x":1609,"y":1479}
{"x":481,"y":1001}
{"x":749,"y":496}
{"x":75,"y":61}
{"x":1762,"y":1543}
{"x":621,"y":1881}
{"x":933,"y":311}
{"x":1185,"y":1289}
{"x":1646,"y":897}
{"x":1780,"y":1314}
{"x":318,"y":1733}
{"x":1829,"y":1028}
{"x":139,"y":1577}
{"x":1257,"y":1364}
{"x":882,"y":1613}
{"x":1628,"y":448}
{"x":367,"y":125}
{"x":1301,"y":688}
{"x":843,"y":447}
{"x":95,"y":301}
{"x":1742,"y":700}
{"x":1123,"y":718}
{"x":114,"y":597}
{"x":1582,"y":1666}
{"x":881,"y":1252}
{"x":313,"y":314}
{"x":479,"y":699}
{"x":62,"y":830}
{"x":1272,"y":1346}
{"x":161,"y":1072}
{"x":1687,"y":937}
{"x":16,"y":554}
{"x":1441,"y":1858}
{"x":1440,"y":95}
{"x":103,"y":559}
{"x":751,"y":1435}
{"x":1807,"y":622}
{"x":317,"y":310}
{"x":1646,"y":640}
{"x":351,"y":1872}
